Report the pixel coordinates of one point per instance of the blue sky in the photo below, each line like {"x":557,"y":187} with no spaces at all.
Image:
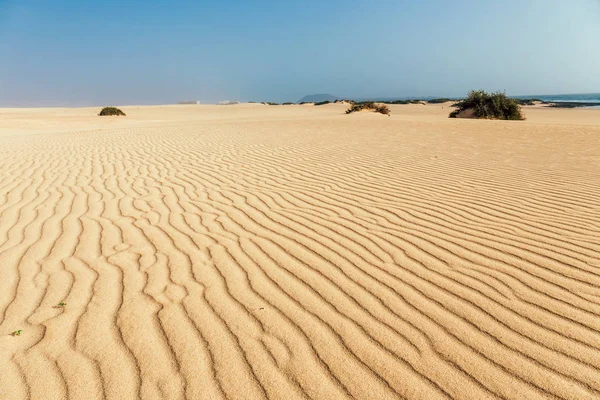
{"x":75,"y":52}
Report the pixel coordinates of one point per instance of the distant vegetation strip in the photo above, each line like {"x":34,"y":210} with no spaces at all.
{"x":441,"y":100}
{"x":401,"y":101}
{"x":320,"y":103}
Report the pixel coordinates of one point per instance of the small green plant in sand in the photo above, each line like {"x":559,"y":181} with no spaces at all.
{"x":369,"y":105}
{"x":17,"y":333}
{"x":106,"y":111}
{"x":322,"y":103}
{"x":480,"y":104}
{"x":62,"y":304}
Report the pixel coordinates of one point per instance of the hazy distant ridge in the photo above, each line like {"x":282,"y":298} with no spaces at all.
{"x":314,"y":98}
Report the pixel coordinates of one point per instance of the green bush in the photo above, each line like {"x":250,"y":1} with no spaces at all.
{"x":369,"y":105}
{"x":111,"y":111}
{"x":382,"y":109}
{"x":489,"y":106}
{"x":288,"y":103}
{"x":320,"y":103}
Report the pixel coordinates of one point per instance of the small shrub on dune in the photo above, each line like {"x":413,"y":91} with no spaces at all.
{"x":382,"y":109}
{"x":111,"y":111}
{"x":354,"y":108}
{"x":480,"y":104}
{"x":369,"y":105}
{"x":320,"y":103}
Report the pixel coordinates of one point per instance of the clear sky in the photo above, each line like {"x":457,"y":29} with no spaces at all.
{"x":80,"y":52}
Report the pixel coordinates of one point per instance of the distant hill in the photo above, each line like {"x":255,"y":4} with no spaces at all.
{"x":315,"y":98}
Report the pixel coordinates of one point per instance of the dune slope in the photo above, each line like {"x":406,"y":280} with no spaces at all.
{"x":299,"y":253}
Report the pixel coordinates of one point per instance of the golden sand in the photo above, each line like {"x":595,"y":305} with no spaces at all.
{"x":295,"y":252}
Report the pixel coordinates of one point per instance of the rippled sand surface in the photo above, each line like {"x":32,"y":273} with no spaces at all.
{"x":294,"y":252}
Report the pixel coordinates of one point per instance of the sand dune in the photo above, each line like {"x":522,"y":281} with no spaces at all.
{"x":287,"y":252}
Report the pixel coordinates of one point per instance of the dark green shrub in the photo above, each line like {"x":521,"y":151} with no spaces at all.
{"x":288,"y":103}
{"x":111,"y":111}
{"x":320,"y":103}
{"x":489,"y":106}
{"x":369,"y":105}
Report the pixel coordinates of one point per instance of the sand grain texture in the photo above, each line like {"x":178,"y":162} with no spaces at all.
{"x":287,"y":252}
